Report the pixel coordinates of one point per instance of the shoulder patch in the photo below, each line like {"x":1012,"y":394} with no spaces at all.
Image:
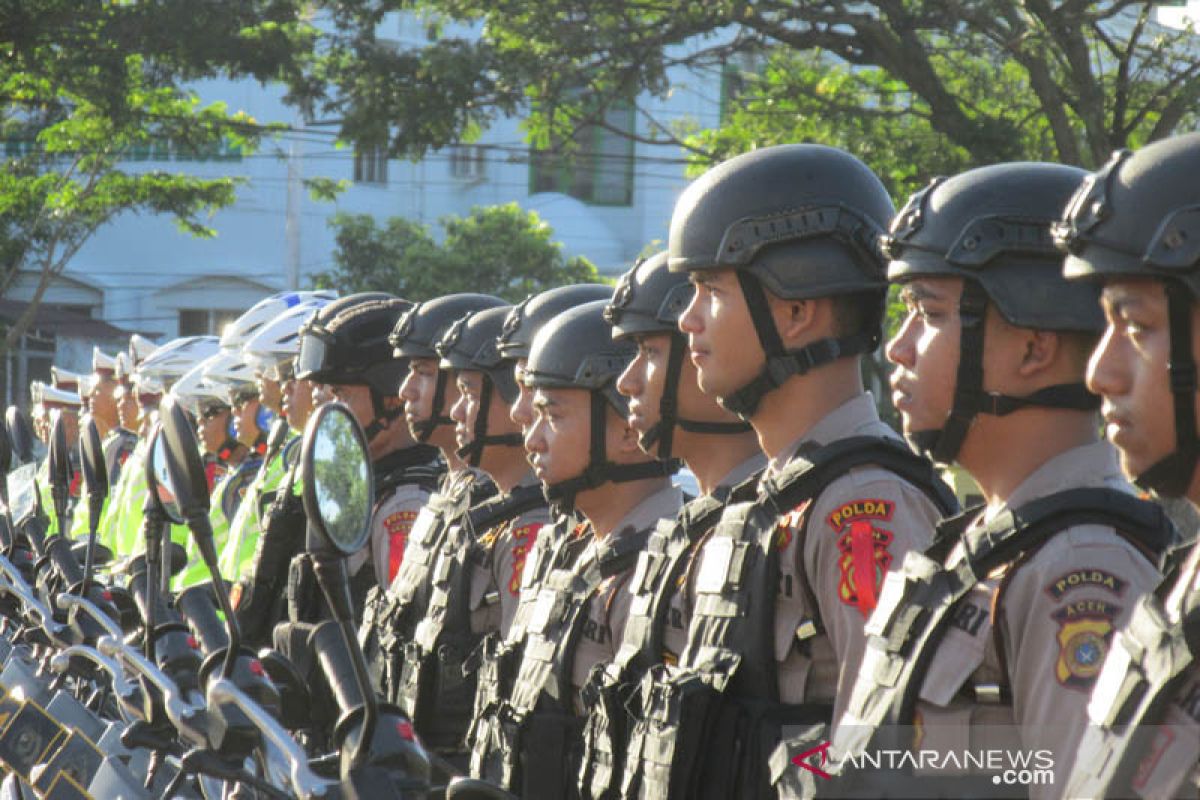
{"x":1085,"y":631}
{"x":1079,"y":578}
{"x":789,"y":523}
{"x":397,"y":526}
{"x":863,"y":555}
{"x":868,"y":509}
{"x":522,"y":539}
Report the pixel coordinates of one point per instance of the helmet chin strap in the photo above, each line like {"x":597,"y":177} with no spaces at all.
{"x":473,"y":452}
{"x":600,"y":470}
{"x":425,"y":428}
{"x":782,"y":364}
{"x":1172,"y":475}
{"x":943,"y":444}
{"x":663,"y":431}
{"x":383,"y":416}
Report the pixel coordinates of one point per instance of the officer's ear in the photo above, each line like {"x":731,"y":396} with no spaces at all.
{"x":1041,"y":353}
{"x":798,"y":321}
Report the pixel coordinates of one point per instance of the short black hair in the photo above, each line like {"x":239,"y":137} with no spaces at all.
{"x":858,"y":312}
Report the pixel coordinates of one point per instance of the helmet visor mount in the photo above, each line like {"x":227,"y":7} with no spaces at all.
{"x":742,"y":243}
{"x":310,"y":362}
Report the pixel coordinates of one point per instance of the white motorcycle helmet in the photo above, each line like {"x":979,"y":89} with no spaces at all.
{"x":241,"y":329}
{"x":168,"y":363}
{"x":270,"y":351}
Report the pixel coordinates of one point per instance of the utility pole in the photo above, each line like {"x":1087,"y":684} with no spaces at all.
{"x":292,"y":219}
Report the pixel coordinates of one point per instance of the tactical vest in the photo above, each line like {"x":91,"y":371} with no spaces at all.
{"x":709,"y":727}
{"x":410,"y":465}
{"x":496,"y":660}
{"x":435,"y":691}
{"x":1146,"y":667}
{"x":915,"y":606}
{"x":611,"y":688}
{"x":540,"y":727}
{"x":397,"y":612}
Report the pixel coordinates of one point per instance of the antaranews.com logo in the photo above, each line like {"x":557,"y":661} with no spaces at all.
{"x":1007,"y":767}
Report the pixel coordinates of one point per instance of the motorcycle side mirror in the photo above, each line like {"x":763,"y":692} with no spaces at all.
{"x":95,"y":485}
{"x":175,"y":462}
{"x":339,"y":491}
{"x":60,"y":470}
{"x":179,"y":463}
{"x":95,"y":471}
{"x":20,"y":433}
{"x":6,"y":452}
{"x":160,"y":481}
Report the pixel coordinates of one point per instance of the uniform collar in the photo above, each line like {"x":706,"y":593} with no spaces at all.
{"x":1091,"y":465}
{"x":743,"y":471}
{"x":852,"y":418}
{"x":662,"y":504}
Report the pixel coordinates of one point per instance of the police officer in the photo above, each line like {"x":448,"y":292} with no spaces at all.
{"x":106,"y":391}
{"x":346,"y":349}
{"x":263,"y":597}
{"x":476,"y":575}
{"x":990,"y":366}
{"x":673,"y":418}
{"x":428,"y":394}
{"x":588,"y":460}
{"x":781,"y":245}
{"x":128,"y":410}
{"x":271,"y":351}
{"x":156,"y":373}
{"x":500,"y":654}
{"x":1132,"y":227}
{"x":210,"y":390}
{"x":101,"y":388}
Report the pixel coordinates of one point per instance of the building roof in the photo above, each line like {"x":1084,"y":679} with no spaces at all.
{"x":50,"y":321}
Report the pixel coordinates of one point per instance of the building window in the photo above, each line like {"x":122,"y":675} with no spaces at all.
{"x":468,"y":162}
{"x":736,"y":76}
{"x":204,"y":322}
{"x":600,"y":168}
{"x":370,"y":165}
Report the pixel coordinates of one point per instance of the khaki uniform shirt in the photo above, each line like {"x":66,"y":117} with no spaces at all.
{"x":887,"y":517}
{"x":496,"y":583}
{"x":1055,"y":621}
{"x":608,"y":608}
{"x":454,"y":485}
{"x":391,"y":524}
{"x":679,"y":615}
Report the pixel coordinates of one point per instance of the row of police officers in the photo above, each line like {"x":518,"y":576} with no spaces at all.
{"x":559,"y":619}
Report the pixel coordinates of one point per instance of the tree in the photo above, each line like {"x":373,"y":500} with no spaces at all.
{"x":976,"y":82}
{"x":84,"y":87}
{"x":502,"y":250}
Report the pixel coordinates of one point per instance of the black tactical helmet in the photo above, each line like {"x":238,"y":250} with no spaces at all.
{"x":527,"y":318}
{"x":991,"y":226}
{"x":649,"y":300}
{"x":800,"y":220}
{"x":324,"y":356}
{"x":350,"y":345}
{"x":575,"y":350}
{"x":1139,"y":217}
{"x":470,"y":344}
{"x":416,"y":336}
{"x":317,"y":361}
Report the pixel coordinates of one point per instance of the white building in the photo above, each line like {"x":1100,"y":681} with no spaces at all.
{"x":143,"y":274}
